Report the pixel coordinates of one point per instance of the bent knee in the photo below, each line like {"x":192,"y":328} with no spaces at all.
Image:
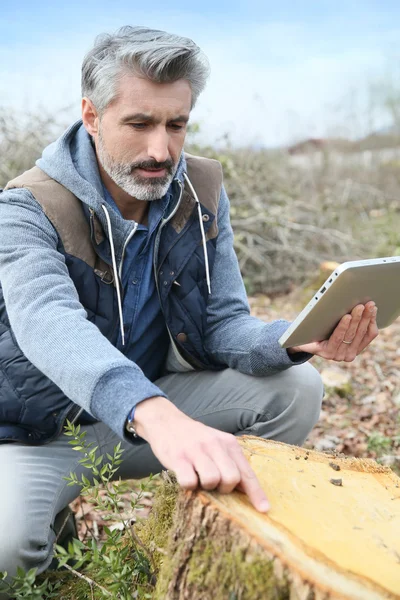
{"x":304,"y":396}
{"x":304,"y":383}
{"x":298,"y":388}
{"x":293,"y":406}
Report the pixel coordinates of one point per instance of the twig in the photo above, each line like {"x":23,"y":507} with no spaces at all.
{"x":88,"y":529}
{"x":379,"y":371}
{"x":96,"y":531}
{"x":63,"y":527}
{"x":88,"y":580}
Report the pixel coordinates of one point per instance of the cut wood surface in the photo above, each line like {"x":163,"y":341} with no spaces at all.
{"x":333,"y":532}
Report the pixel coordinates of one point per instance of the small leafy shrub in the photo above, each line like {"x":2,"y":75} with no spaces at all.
{"x":121,"y":567}
{"x":25,"y":587}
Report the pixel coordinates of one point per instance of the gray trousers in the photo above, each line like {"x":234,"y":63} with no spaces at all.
{"x":283,"y":407}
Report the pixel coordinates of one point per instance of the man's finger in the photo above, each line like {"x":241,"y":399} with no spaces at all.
{"x":249,"y":483}
{"x":207,"y":470}
{"x":230,"y":474}
{"x":357,"y":314}
{"x":186,"y":475}
{"x":337,"y":337}
{"x":368,"y":314}
{"x":370,"y":335}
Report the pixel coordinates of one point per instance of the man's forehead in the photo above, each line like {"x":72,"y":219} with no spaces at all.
{"x":140,"y":95}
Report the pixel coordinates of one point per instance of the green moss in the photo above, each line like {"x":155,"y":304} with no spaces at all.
{"x":216,"y":571}
{"x":226,"y":573}
{"x":72,"y":588}
{"x":153,"y":532}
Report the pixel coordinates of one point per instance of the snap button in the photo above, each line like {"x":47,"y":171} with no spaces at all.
{"x":181,"y":337}
{"x":206,"y":218}
{"x":165,"y":282}
{"x":134,"y":281}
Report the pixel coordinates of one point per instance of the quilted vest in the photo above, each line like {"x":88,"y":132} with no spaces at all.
{"x":33,"y":409}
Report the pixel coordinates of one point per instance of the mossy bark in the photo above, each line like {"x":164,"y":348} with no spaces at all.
{"x":209,"y":557}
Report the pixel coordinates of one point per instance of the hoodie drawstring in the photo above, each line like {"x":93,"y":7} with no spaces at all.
{"x":114,"y":262}
{"x":116,"y":277}
{"x":203,"y":235}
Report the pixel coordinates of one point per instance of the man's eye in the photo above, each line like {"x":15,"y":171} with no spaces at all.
{"x":176,"y":126}
{"x":138,"y":125}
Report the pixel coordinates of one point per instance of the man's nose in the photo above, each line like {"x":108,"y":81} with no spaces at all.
{"x":158,"y":146}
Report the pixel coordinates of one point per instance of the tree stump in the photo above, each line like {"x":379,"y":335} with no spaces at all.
{"x":333,"y":532}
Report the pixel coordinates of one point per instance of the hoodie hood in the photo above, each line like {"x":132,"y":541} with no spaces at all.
{"x":71,"y":161}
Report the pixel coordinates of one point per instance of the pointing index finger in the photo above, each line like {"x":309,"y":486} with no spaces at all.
{"x":249,"y":483}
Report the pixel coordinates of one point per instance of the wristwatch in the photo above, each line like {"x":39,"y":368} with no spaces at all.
{"x":130,"y":423}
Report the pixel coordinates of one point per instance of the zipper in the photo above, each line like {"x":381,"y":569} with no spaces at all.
{"x":180,"y":358}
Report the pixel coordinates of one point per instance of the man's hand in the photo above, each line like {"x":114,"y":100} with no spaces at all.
{"x":198,"y":454}
{"x":353,"y":333}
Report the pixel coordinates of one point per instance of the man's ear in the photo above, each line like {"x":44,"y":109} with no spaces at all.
{"x":90,"y":117}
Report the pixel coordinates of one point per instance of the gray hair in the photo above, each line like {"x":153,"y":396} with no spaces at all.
{"x":159,"y":56}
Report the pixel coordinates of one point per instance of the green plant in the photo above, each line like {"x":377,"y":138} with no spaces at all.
{"x":121,"y":567}
{"x":121,"y":562}
{"x":379,"y":443}
{"x":25,"y":587}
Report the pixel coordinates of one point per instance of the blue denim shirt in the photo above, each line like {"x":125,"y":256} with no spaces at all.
{"x":146,"y":336}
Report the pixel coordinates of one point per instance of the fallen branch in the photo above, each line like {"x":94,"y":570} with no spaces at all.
{"x":89,"y":581}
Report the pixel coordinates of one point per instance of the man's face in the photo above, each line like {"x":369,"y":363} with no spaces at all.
{"x":141,"y":133}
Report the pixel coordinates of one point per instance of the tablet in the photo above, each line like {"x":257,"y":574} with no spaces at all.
{"x":352,"y":283}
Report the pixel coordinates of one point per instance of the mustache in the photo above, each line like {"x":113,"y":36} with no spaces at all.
{"x":153,"y":164}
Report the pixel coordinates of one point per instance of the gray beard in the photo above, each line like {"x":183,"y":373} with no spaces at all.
{"x":140,"y":188}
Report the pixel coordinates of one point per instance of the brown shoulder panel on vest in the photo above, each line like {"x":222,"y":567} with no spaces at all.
{"x":64,"y":211}
{"x":206,"y":177}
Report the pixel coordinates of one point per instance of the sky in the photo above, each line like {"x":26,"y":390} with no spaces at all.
{"x":280,"y":70}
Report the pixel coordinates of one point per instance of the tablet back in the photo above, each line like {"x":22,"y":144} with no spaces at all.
{"x":352,"y":283}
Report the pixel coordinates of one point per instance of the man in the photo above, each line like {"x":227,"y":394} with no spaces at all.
{"x":122,"y":307}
